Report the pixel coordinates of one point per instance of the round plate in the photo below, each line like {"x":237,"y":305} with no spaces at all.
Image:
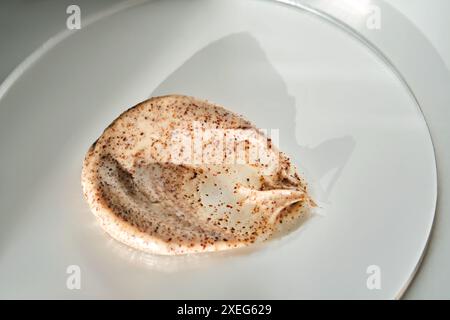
{"x":343,"y":116}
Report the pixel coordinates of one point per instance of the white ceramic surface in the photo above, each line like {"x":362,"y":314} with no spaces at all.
{"x":343,"y":116}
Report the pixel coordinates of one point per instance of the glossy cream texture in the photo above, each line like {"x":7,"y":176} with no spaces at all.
{"x":176,"y":174}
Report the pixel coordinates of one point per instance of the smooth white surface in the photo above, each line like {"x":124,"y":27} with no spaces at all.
{"x":370,"y":158}
{"x":414,"y":55}
{"x":431,"y":19}
{"x":433,"y":281}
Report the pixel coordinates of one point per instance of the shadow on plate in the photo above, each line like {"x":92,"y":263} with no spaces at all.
{"x":234,"y":71}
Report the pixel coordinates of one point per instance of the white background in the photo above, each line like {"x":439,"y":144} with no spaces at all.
{"x":25,"y":25}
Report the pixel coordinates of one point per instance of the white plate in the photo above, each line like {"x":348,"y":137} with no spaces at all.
{"x":343,"y":115}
